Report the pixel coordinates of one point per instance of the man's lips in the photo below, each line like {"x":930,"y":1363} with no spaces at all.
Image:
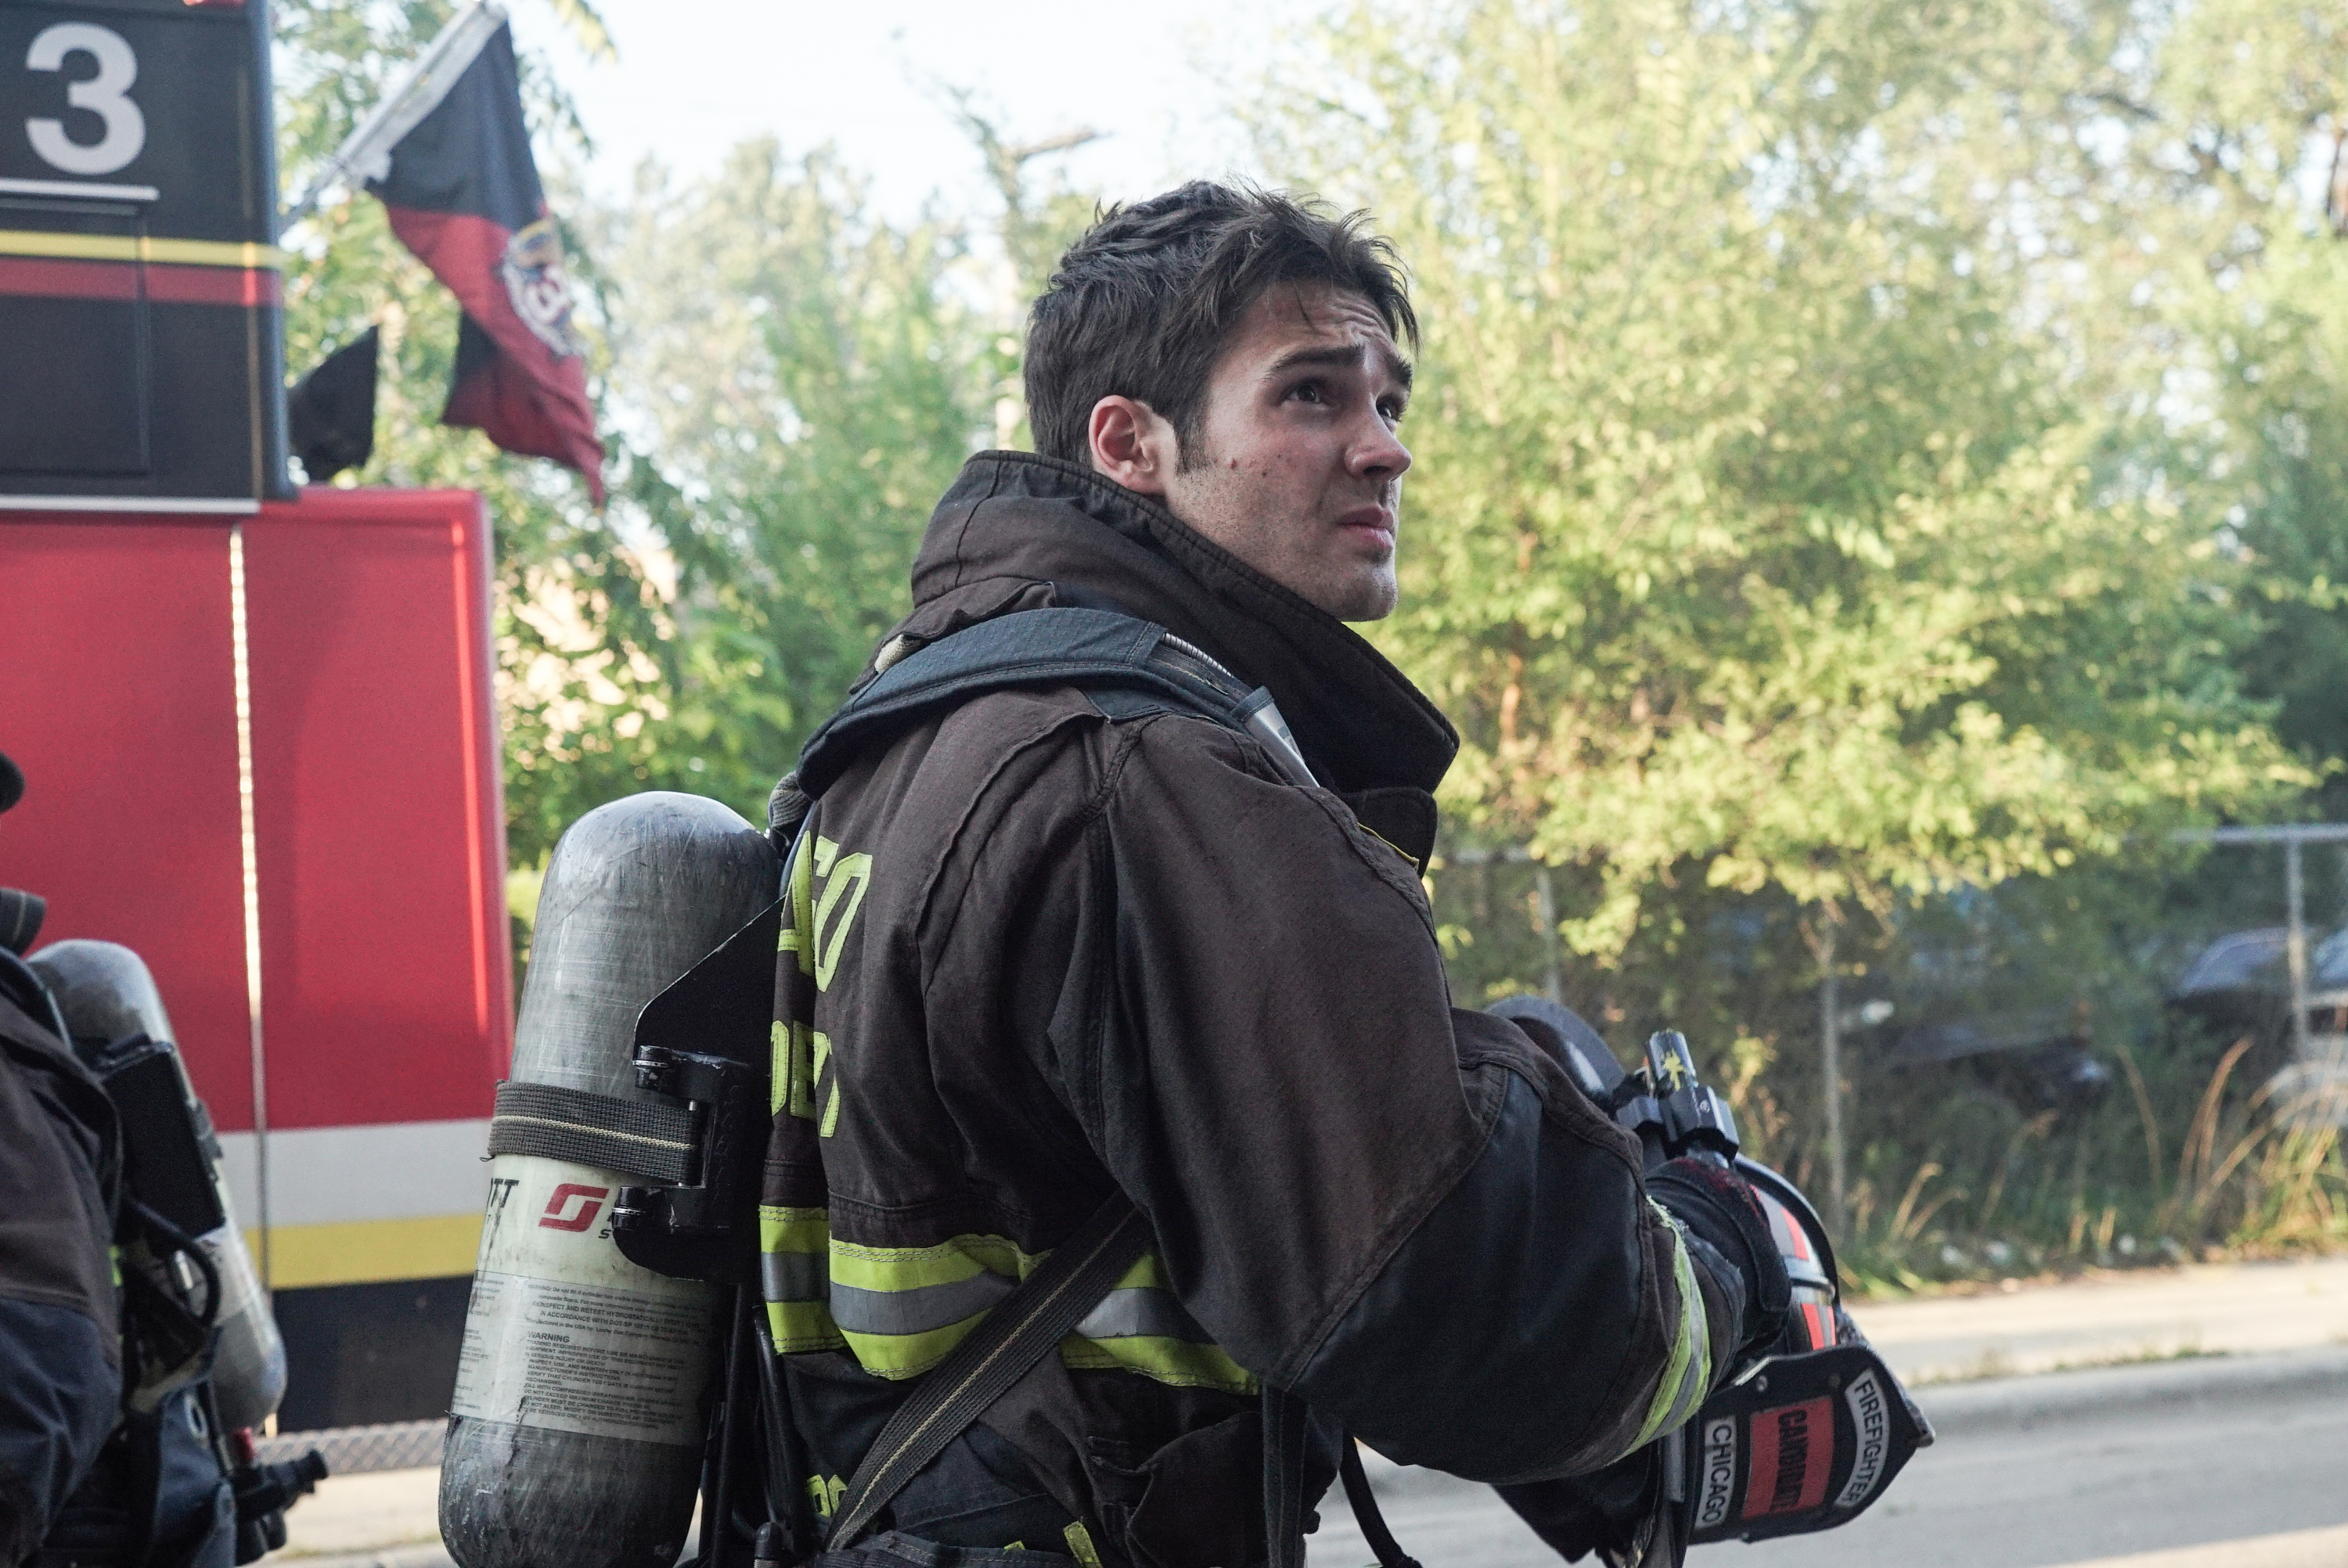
{"x":1370,"y":525}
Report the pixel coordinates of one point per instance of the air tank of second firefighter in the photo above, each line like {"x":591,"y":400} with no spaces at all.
{"x":108,"y":996}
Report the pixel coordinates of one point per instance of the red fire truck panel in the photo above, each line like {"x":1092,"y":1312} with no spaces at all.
{"x":344,"y":943}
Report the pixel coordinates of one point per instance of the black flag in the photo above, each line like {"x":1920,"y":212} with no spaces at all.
{"x":462,"y":193}
{"x":330,"y":413}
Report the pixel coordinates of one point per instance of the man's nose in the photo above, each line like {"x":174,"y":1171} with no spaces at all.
{"x":1378,"y":453}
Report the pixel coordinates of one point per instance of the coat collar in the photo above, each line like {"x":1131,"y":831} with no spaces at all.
{"x":1017,"y":530}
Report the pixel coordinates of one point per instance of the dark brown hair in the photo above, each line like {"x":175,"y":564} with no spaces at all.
{"x":1142,"y":305}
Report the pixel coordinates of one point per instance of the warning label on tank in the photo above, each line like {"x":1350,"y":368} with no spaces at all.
{"x":583,"y":1358}
{"x":563,"y":1332}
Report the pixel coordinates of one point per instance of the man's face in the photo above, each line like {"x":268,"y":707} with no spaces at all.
{"x":1299,"y":472}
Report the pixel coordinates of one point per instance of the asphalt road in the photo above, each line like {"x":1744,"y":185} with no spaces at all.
{"x":2240,"y":1308}
{"x":2240,"y":1462}
{"x":2220,"y":1462}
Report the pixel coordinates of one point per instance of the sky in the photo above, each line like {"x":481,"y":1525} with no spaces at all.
{"x":696,"y":76}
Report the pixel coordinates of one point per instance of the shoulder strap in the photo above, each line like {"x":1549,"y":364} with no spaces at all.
{"x":1098,"y":650}
{"x":1022,"y":1330}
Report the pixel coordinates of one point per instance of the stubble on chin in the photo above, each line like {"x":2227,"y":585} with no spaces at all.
{"x":1376,"y":599}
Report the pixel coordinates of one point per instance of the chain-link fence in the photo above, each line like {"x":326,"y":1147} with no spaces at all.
{"x":354,"y":1450}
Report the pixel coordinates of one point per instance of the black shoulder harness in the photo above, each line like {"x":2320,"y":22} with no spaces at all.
{"x":1127,"y":666}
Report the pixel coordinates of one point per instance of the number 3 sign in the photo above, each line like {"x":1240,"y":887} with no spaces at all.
{"x":139,"y":273}
{"x":104,"y":95}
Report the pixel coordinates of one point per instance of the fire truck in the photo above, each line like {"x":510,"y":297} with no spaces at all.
{"x":257,"y":720}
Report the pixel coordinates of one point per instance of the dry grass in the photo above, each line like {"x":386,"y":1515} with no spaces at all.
{"x":2257,"y":1173}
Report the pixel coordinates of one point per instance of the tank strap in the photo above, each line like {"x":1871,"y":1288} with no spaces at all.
{"x":635,"y":1138}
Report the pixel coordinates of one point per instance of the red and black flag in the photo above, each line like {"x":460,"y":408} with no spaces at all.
{"x":463,"y":194}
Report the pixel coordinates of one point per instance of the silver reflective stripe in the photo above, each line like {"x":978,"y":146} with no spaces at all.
{"x":1141,"y":1313}
{"x":793,"y":1276}
{"x":919,"y":1311}
{"x":1694,"y":1385}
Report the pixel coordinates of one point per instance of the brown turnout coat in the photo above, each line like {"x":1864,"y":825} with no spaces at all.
{"x":1047,"y":955}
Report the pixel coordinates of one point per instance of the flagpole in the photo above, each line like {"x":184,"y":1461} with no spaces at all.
{"x":366,"y":150}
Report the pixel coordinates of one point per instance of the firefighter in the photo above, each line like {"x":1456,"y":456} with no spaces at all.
{"x":1054,"y":948}
{"x":60,"y":1341}
{"x":114,"y":1322}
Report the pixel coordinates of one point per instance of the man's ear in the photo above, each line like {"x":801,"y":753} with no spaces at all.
{"x":1131,"y":444}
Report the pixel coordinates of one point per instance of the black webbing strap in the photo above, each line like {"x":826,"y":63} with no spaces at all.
{"x":1283,"y":1478}
{"x":653,"y":1141}
{"x":1383,"y":1545}
{"x":1053,"y":647}
{"x":1022,"y":1330}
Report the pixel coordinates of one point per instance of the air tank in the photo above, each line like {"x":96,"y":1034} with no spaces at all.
{"x":576,"y":1432}
{"x":107,"y":994}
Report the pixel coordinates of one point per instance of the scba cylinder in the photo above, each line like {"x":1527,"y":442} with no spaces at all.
{"x":576,"y":1431}
{"x":108,"y":996}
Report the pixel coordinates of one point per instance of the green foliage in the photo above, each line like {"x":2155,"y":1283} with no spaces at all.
{"x":1867,"y":453}
{"x":1758,"y":544}
{"x":805,"y":374}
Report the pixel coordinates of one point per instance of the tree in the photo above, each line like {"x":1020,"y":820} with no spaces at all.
{"x":806,"y":374}
{"x":1758,"y":540}
{"x":2239,"y":279}
{"x":1837,"y":491}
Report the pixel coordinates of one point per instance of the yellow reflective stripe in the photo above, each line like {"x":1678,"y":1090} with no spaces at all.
{"x":903,"y":1271}
{"x":1175,"y":1361}
{"x":1691,"y":1362}
{"x":796,"y":1238}
{"x":802,"y":1327}
{"x":796,"y":938}
{"x":899,"y":1355}
{"x":141,"y":248}
{"x":793,"y":1230}
{"x":1080,"y":1543}
{"x":909,"y":1268}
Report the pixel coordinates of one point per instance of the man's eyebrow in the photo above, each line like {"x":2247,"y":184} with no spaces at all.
{"x":1336,"y":357}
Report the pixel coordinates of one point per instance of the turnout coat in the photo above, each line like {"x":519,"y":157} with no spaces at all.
{"x":60,"y":1341}
{"x":1036,"y":955}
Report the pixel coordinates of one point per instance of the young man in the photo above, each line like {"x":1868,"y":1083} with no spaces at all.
{"x":1055,"y":949}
